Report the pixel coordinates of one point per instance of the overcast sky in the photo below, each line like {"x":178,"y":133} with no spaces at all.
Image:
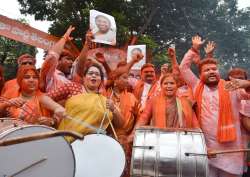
{"x":11,"y":10}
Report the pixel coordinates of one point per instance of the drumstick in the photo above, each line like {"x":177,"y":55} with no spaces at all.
{"x":110,"y":122}
{"x":39,"y":136}
{"x":29,"y":166}
{"x":85,"y":124}
{"x":112,"y":127}
{"x":213,"y":153}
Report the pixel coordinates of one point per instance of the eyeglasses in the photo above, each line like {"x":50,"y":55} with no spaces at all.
{"x":27,"y":63}
{"x":131,"y":75}
{"x":93,"y":73}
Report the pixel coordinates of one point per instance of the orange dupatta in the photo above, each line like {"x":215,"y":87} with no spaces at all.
{"x":159,"y":111}
{"x":226,"y":131}
{"x":126,"y":106}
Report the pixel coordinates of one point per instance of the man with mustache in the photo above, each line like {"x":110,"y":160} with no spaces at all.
{"x":147,"y":86}
{"x":60,"y":66}
{"x":217,"y":111}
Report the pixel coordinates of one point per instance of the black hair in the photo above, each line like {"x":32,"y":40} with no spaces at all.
{"x":134,"y":49}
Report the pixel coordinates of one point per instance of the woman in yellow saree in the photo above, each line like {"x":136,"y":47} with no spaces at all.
{"x":85,"y":105}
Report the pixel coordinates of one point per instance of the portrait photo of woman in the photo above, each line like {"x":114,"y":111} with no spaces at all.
{"x":103,"y":27}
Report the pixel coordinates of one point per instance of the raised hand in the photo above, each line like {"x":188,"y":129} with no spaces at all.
{"x":164,"y":69}
{"x":137,"y":57}
{"x":210,"y":47}
{"x":100,"y":57}
{"x":89,"y":37}
{"x":171,"y":53}
{"x":66,"y":35}
{"x":197,"y":42}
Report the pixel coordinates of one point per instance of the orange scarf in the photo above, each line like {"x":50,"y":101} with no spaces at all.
{"x":226,"y":131}
{"x":159,"y":112}
{"x":127,"y":104}
{"x":139,"y":89}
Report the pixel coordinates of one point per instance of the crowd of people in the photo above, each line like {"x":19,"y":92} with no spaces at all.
{"x":176,"y":98}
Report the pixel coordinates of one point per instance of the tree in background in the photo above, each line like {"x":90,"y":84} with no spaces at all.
{"x":10,"y":50}
{"x":161,"y":22}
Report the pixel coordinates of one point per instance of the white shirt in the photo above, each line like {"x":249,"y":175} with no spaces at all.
{"x":144,"y":95}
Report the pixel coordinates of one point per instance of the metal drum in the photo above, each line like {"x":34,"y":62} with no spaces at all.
{"x":51,"y":157}
{"x":163,"y":153}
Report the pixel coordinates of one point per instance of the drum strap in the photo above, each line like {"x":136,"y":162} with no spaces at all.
{"x":105,"y":115}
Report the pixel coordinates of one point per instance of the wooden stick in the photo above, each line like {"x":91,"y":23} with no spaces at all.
{"x":213,"y":153}
{"x":151,"y":128}
{"x":39,"y":136}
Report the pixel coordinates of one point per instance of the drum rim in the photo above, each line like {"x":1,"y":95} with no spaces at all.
{"x":44,"y":126}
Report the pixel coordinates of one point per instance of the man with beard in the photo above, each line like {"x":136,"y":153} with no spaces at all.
{"x":217,"y":111}
{"x":59,"y":66}
{"x":147,"y":86}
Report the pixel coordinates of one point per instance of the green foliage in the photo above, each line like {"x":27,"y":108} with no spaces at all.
{"x":10,"y":50}
{"x":160,"y":57}
{"x":173,"y":21}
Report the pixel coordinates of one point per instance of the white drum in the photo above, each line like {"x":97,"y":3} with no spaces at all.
{"x":98,"y":156}
{"x":51,"y":157}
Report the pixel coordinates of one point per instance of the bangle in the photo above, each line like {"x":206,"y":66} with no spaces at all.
{"x":65,"y":38}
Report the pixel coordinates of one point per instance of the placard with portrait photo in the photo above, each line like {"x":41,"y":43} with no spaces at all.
{"x":103,"y":27}
{"x":133,"y":50}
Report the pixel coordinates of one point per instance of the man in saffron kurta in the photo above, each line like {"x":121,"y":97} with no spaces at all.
{"x":148,"y":86}
{"x":218,"y":112}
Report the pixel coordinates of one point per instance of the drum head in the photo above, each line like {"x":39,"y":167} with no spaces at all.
{"x":40,"y":158}
{"x":98,"y":155}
